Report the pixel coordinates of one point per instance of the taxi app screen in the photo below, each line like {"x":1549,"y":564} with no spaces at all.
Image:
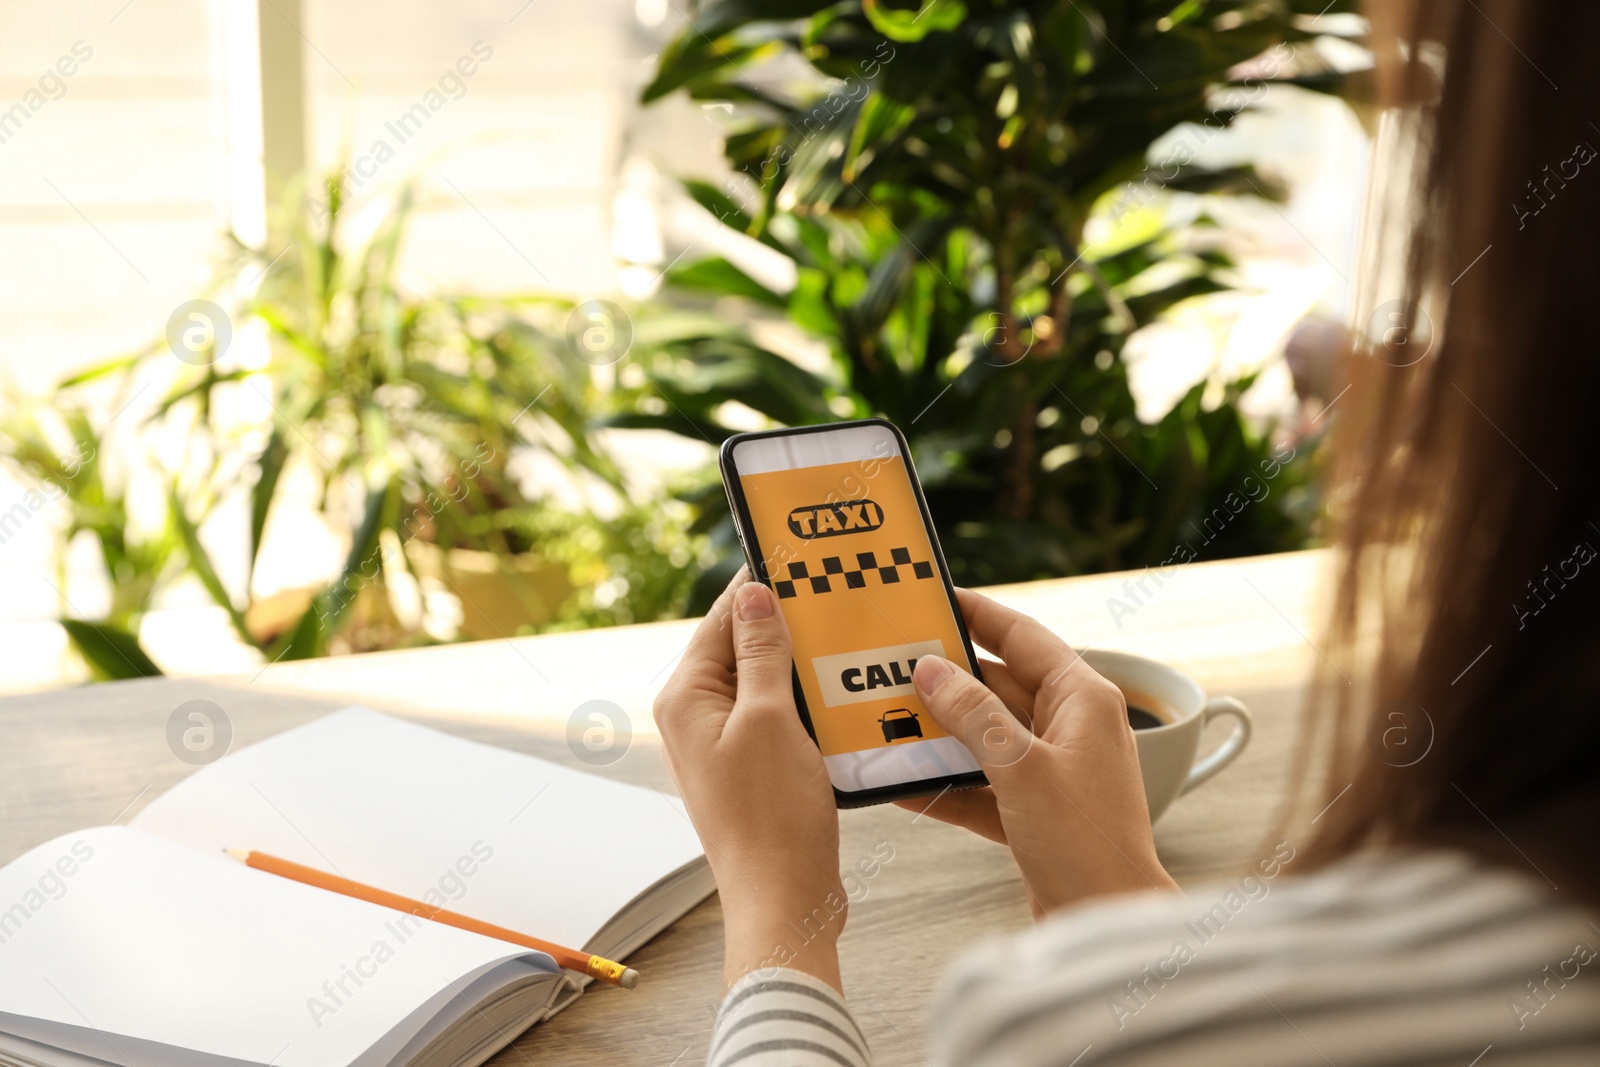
{"x":856,"y":580}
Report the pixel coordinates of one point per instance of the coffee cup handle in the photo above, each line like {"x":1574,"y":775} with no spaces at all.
{"x":1231,"y":747}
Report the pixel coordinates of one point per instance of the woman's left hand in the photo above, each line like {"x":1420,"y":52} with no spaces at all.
{"x":756,"y":787}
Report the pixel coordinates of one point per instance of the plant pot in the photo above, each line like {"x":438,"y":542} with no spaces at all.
{"x":270,"y":617}
{"x":498,"y":594}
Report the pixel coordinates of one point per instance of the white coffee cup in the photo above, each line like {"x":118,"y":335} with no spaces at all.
{"x":1167,"y":752}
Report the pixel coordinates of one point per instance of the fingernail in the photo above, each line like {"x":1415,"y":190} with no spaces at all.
{"x":755,"y":602}
{"x":931,"y":672}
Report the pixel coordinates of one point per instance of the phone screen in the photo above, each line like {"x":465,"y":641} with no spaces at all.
{"x":839,"y":528}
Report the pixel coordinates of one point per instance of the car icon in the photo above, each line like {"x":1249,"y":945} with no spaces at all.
{"x":898,"y":729}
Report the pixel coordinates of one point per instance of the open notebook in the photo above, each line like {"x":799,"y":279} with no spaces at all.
{"x":145,"y":945}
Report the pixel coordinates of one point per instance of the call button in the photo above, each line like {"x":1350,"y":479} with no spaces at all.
{"x":871,"y":674}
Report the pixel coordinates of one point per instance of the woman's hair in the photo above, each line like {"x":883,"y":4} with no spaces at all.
{"x":1461,"y":701}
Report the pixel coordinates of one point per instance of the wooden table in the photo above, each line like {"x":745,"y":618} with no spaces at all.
{"x":94,"y":755}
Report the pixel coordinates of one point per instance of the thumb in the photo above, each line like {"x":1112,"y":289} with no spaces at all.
{"x":968,"y":711}
{"x":764,"y":659}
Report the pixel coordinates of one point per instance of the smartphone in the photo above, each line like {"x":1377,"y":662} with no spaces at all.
{"x":833,"y":520}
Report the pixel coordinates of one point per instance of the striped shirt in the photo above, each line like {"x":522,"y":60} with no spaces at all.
{"x":1383,"y":959}
{"x":783,"y":1018}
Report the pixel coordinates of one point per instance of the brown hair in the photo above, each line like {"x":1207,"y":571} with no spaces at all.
{"x":1465,"y":494}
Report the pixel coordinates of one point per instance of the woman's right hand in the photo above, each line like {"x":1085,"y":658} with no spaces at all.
{"x":1065,"y":795}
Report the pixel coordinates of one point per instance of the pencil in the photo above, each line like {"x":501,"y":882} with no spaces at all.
{"x":596,"y":966}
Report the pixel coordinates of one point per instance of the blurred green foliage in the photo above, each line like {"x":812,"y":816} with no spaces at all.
{"x":933,"y":185}
{"x":60,"y":454}
{"x":976,"y":198}
{"x":405,"y":412}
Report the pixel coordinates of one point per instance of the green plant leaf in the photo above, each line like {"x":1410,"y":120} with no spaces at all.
{"x":271,"y":465}
{"x":323,"y":618}
{"x":703,"y":56}
{"x":718,"y":276}
{"x":200,"y":563}
{"x":727,"y":210}
{"x":879,"y":121}
{"x":201,"y":389}
{"x":1240,"y":180}
{"x":905,"y":25}
{"x":111,"y":652}
{"x":119,"y":365}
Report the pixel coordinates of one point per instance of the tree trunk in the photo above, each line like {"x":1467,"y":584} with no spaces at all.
{"x":1017,"y":487}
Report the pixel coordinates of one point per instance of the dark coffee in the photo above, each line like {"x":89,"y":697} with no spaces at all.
{"x":1146,"y":712}
{"x":1140,"y":719}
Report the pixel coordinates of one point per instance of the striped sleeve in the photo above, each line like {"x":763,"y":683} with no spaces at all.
{"x":1388,"y":960}
{"x":783,"y":1018}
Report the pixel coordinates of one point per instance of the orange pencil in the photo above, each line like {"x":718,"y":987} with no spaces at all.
{"x":596,"y":966}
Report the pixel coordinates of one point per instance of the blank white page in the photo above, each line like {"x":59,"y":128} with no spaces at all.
{"x":493,"y":834}
{"x":128,"y":947}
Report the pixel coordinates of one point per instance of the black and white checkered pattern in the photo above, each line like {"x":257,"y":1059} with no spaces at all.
{"x":800,"y":578}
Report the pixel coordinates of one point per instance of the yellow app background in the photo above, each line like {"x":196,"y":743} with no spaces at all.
{"x":854,"y":571}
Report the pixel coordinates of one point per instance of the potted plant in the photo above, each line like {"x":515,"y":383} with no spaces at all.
{"x":934,"y":185}
{"x":65,"y":456}
{"x":412,"y":407}
{"x":405,"y":411}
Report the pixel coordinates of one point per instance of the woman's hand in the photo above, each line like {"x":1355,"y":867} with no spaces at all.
{"x":756,"y":788}
{"x":1065,"y":795}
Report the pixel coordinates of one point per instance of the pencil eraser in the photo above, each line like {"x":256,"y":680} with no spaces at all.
{"x":629,"y":979}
